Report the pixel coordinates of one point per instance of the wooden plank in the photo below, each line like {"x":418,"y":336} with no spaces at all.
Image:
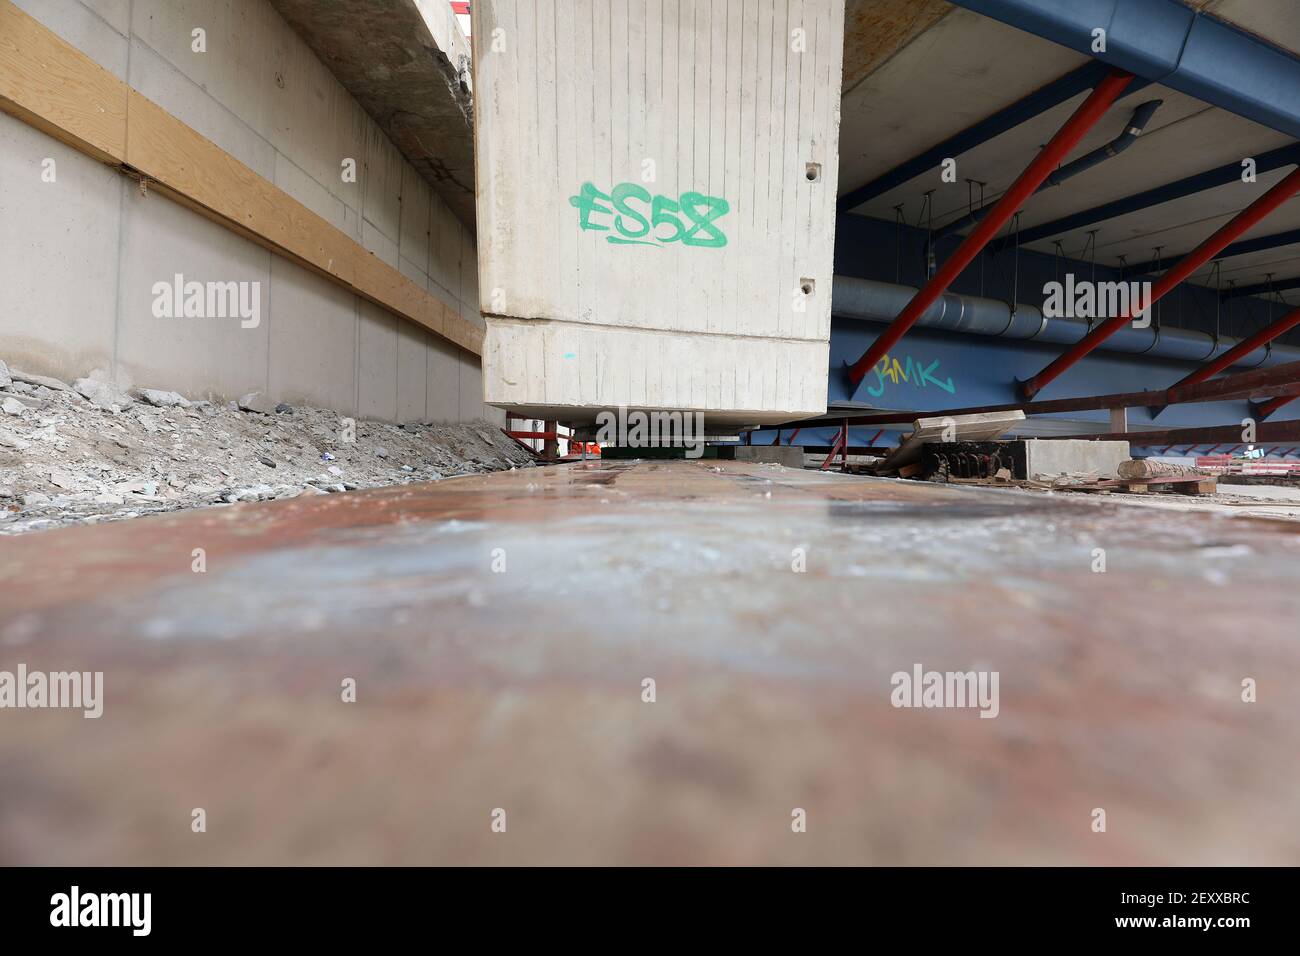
{"x":1183,"y":486}
{"x":56,"y":88}
{"x":53,"y":86}
{"x":1190,"y":484}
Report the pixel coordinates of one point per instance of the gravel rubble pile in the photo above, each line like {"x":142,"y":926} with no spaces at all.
{"x":89,"y":451}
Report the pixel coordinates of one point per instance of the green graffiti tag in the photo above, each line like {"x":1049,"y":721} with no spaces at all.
{"x":658,"y":222}
{"x":918,"y":375}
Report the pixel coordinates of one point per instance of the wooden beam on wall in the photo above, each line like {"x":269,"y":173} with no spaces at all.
{"x":53,"y":86}
{"x":58,"y":89}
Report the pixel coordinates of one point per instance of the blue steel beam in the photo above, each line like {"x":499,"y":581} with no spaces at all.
{"x":1245,"y":247}
{"x":1040,"y":101}
{"x":1262,"y":288}
{"x":1199,"y":182}
{"x":1167,"y":42}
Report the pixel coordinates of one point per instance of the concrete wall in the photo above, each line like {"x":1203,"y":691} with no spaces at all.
{"x":79,"y":256}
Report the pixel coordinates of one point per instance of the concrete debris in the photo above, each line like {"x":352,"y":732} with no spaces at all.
{"x":284,"y":408}
{"x":5,"y":378}
{"x":257,"y":402}
{"x":102,"y":394}
{"x":162,"y":399}
{"x":65,"y":460}
{"x":10,"y":440}
{"x":254,"y":493}
{"x":61,"y":479}
{"x":27,"y":378}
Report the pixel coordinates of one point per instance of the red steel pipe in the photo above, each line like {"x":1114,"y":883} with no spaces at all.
{"x":1207,"y":250}
{"x":1243,"y":348}
{"x":1066,"y":138}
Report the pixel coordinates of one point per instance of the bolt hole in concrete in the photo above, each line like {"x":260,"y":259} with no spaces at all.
{"x":807,"y":286}
{"x":814,"y":172}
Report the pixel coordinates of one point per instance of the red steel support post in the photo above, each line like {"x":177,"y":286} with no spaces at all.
{"x":1207,"y":250}
{"x":1273,"y":404}
{"x":843,"y":436}
{"x":1239,"y":351}
{"x":1066,"y":138}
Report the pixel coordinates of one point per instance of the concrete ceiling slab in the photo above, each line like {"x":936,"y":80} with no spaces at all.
{"x":875,"y":30}
{"x":1277,"y":21}
{"x":1180,"y":226}
{"x":409,"y":71}
{"x":954,"y":74}
{"x":1256,"y":267}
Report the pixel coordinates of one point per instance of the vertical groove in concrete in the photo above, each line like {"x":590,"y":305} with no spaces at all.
{"x":397,"y":332}
{"x":123,"y":185}
{"x":270,"y":278}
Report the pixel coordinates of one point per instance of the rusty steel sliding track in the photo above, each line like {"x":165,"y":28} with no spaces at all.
{"x":501,"y":630}
{"x":1276,"y":380}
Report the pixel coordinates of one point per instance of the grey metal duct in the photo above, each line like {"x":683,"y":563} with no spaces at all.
{"x":882,"y":301}
{"x":1132,"y":130}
